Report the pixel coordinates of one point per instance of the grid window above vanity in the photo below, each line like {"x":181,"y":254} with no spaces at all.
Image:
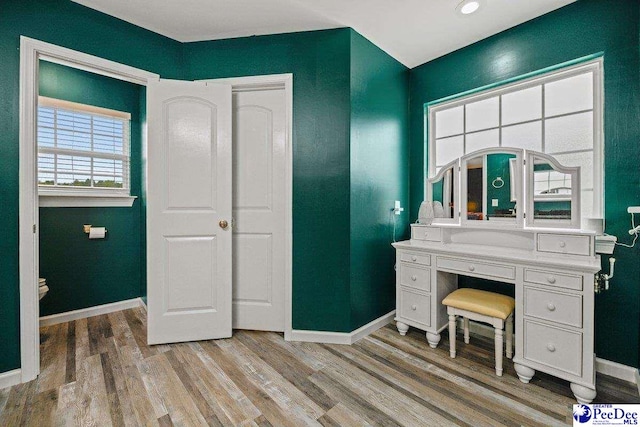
{"x":557,"y":113}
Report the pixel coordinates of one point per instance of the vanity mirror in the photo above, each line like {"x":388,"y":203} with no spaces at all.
{"x":554,"y":191}
{"x":487,"y":188}
{"x":491,"y":186}
{"x":443,"y":192}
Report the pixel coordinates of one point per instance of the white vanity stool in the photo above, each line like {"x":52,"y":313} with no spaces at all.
{"x":481,"y":306}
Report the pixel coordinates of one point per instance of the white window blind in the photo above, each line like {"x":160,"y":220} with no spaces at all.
{"x":81,"y":147}
{"x":558,"y":113}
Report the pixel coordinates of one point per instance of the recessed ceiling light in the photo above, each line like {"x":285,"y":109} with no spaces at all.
{"x":467,"y":7}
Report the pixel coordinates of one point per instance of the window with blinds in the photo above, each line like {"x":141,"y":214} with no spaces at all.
{"x":558,"y":113}
{"x":81,"y":147}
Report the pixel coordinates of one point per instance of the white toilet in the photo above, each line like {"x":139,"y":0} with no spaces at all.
{"x":42,"y":287}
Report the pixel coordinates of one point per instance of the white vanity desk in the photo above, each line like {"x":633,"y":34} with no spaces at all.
{"x":513,"y":216}
{"x":553,"y":273}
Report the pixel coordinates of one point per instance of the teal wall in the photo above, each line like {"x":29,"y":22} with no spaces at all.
{"x":321,"y":109}
{"x":350,"y":154}
{"x":80,"y":272}
{"x":574,"y":31}
{"x":67,"y":24}
{"x":379,"y":176}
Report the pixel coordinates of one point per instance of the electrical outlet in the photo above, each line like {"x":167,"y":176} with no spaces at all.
{"x":494,"y":202}
{"x":397,"y":208}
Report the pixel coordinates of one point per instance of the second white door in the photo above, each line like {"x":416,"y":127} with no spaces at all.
{"x":259,"y":174}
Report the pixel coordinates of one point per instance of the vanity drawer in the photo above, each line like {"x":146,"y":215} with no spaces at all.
{"x":415,"y":307}
{"x":551,"y":278}
{"x":553,"y":306}
{"x":564,"y":244}
{"x":477,"y":268}
{"x":415,"y":277}
{"x":415,"y":258}
{"x":431,"y":234}
{"x":555,"y":347}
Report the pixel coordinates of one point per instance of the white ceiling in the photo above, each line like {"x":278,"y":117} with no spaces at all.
{"x":412,"y":31}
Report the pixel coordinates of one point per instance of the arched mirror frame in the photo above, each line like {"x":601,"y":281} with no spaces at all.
{"x":455,"y":166}
{"x":575,"y":220}
{"x":522,"y":186}
{"x":515,"y":182}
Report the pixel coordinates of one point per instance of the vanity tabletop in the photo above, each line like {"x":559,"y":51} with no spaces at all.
{"x":498,"y":253}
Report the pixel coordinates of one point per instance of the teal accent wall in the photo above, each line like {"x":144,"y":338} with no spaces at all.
{"x":321,"y":109}
{"x":67,"y":24}
{"x":80,"y":272}
{"x":379,"y":176}
{"x":350,"y":103}
{"x":577,"y":30}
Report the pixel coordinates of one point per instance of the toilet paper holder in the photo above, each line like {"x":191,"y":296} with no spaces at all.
{"x":87,"y":228}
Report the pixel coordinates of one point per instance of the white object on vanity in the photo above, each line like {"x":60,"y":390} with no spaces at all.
{"x":552,"y":268}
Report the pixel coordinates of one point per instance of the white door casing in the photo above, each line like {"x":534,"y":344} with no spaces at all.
{"x":31,"y":51}
{"x":259,"y":208}
{"x":189,"y":194}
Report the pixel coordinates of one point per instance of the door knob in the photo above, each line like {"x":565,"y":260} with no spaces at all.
{"x":223,"y":224}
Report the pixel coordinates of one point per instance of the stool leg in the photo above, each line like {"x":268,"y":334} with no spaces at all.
{"x":510,"y":336}
{"x":452,"y":335}
{"x":499,"y":345}
{"x":465,"y":322}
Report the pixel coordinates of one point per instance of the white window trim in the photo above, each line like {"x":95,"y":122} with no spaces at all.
{"x":593,"y":65}
{"x":63,"y":199}
{"x":49,"y":196}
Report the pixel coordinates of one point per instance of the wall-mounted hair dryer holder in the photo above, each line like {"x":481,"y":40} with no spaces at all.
{"x":602,"y":279}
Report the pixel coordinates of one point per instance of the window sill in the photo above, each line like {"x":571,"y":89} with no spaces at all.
{"x":56,"y":199}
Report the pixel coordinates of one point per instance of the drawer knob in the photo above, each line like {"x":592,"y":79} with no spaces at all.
{"x":551,"y":306}
{"x":551,"y":279}
{"x":551,"y":347}
{"x":414,"y":277}
{"x":471,"y":268}
{"x":414,"y":258}
{"x":563,"y":244}
{"x":414,"y":307}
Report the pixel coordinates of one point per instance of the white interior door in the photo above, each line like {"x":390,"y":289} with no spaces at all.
{"x":189,"y":197}
{"x":259,"y":174}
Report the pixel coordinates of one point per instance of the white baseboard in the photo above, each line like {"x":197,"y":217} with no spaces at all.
{"x":342,"y":337}
{"x":617,"y":370}
{"x":603,"y":366}
{"x":9,"y":378}
{"x":372,"y":326}
{"x":91,"y":311}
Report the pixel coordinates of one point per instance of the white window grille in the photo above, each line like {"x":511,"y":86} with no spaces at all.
{"x":558,"y":113}
{"x":82,"y":149}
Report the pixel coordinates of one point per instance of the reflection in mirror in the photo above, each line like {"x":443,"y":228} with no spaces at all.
{"x":443,"y":195}
{"x":475,"y":188}
{"x":501,"y":185}
{"x":552,"y":191}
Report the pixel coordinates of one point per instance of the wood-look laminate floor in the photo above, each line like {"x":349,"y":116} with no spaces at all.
{"x":100,"y":372}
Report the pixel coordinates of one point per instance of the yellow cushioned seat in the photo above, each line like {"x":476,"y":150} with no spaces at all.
{"x":481,"y":302}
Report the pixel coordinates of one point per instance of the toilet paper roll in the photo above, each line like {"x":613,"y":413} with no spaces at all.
{"x":97,"y":233}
